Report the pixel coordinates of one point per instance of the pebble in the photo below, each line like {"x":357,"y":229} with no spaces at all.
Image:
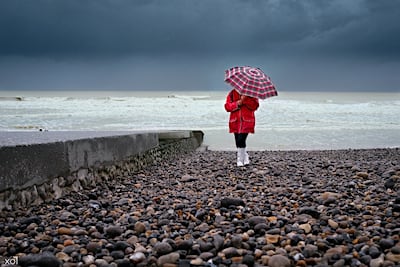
{"x":288,"y":208}
{"x":279,"y":261}
{"x":169,"y":258}
{"x":114,"y":231}
{"x":137,"y":257}
{"x":162,"y":248}
{"x":140,"y":227}
{"x":88,"y":259}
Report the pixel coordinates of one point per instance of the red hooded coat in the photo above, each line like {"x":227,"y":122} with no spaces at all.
{"x":241,"y":119}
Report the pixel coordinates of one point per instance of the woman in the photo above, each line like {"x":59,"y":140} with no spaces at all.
{"x":241,"y":121}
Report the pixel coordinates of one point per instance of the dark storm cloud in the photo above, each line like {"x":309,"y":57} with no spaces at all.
{"x":124,"y":43}
{"x":107,"y":28}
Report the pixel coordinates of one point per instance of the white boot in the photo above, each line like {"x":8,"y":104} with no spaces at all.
{"x":246,"y":159}
{"x":240,"y":157}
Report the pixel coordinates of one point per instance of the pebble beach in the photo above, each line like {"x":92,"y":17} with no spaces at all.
{"x":287,"y":208}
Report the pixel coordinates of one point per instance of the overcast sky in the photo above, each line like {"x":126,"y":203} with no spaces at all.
{"x":326,"y":45}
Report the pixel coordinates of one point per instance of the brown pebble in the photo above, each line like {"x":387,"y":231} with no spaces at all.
{"x":64,"y":231}
{"x":140,"y":227}
{"x":68,"y":242}
{"x":169,"y":258}
{"x":272,"y":239}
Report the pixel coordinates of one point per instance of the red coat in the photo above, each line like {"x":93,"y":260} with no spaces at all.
{"x":242,"y":119}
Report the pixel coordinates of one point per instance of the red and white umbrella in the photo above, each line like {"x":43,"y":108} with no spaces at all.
{"x":250,"y":81}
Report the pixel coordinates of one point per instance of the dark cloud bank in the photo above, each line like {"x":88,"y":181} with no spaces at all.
{"x":186,"y":45}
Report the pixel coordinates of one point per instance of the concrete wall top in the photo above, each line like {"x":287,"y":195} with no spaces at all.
{"x":19,"y":138}
{"x":28,"y":158}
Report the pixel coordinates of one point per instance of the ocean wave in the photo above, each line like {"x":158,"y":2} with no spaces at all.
{"x":28,"y":127}
{"x":84,"y":98}
{"x":11,"y":98}
{"x":190,"y":97}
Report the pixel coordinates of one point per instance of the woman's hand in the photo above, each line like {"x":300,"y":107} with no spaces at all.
{"x":240,"y":101}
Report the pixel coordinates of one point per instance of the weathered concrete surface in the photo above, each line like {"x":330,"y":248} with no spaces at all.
{"x":25,"y":165}
{"x":20,"y":138}
{"x":29,"y":163}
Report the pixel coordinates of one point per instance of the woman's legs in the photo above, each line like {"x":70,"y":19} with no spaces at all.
{"x":242,"y":156}
{"x":240,"y":139}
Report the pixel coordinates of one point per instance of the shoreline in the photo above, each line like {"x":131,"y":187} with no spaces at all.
{"x":164,"y":93}
{"x":287,"y":208}
{"x":274,"y":140}
{"x":215,"y":140}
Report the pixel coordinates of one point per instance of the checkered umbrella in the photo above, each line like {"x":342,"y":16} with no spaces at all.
{"x":250,"y":81}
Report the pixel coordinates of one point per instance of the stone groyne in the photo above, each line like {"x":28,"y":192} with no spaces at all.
{"x":39,"y":166}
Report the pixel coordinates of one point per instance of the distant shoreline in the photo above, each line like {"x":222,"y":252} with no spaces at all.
{"x":166,"y":93}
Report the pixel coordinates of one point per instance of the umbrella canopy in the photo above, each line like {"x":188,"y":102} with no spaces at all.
{"x":250,"y":81}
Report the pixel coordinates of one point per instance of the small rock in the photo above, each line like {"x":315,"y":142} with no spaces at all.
{"x":197,"y":262}
{"x":279,"y":261}
{"x":310,"y":211}
{"x":184,"y":244}
{"x":162,"y":248}
{"x":240,"y":187}
{"x":390,"y":183}
{"x":204,"y":227}
{"x":333,"y":224}
{"x":256,"y":220}
{"x":230,"y":252}
{"x":88,"y":259}
{"x":101,"y":263}
{"x":137,"y":257}
{"x":93,"y":246}
{"x":188,"y":178}
{"x":306,"y":227}
{"x":117,"y":254}
{"x":272,"y":239}
{"x":377,"y":262}
{"x":122,"y":245}
{"x":169,"y":258}
{"x":393,"y":257}
{"x":363,"y":175}
{"x":248,"y":260}
{"x":29,"y":220}
{"x":260,"y":227}
{"x":237,"y":241}
{"x":140,"y":227}
{"x":64,"y":231}
{"x":218,"y":241}
{"x":114,"y":231}
{"x":310,"y":251}
{"x":374,"y":252}
{"x":63,"y":256}
{"x":227,"y":202}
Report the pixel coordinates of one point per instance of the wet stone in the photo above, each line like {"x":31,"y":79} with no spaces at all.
{"x":114,"y":231}
{"x":310,"y":211}
{"x":256,"y":220}
{"x":162,"y":248}
{"x":386,"y":243}
{"x":279,"y":261}
{"x":228,"y":202}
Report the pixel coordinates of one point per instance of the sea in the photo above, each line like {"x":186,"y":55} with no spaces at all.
{"x":289,"y":121}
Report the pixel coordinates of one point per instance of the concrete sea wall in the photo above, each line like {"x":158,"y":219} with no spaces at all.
{"x":40,"y":166}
